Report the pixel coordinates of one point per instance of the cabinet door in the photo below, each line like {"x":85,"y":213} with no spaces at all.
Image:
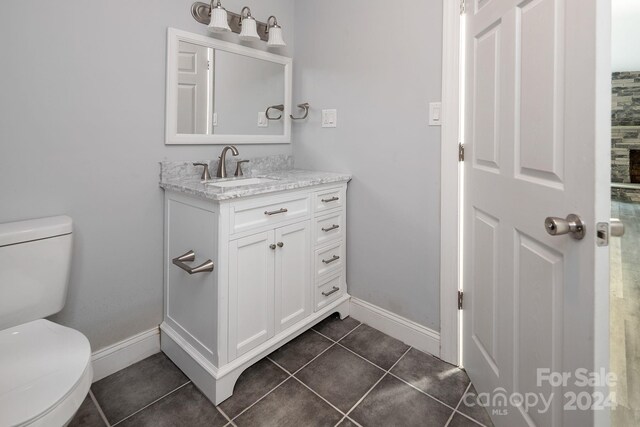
{"x":293,"y":274}
{"x":251,"y":288}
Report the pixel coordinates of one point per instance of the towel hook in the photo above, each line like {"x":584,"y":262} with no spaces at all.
{"x":305,"y":107}
{"x":274,"y":107}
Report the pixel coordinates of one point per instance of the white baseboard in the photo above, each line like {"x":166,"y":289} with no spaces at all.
{"x":405,"y":330}
{"x":125,"y":353}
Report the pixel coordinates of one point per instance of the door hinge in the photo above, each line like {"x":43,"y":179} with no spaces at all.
{"x":460,"y":298}
{"x":461,"y":152}
{"x":208,"y":65}
{"x":463,"y":7}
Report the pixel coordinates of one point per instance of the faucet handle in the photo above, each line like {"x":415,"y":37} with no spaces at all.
{"x":206,"y":176}
{"x":239,"y":167}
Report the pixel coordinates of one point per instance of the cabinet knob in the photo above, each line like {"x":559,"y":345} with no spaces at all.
{"x":280,"y":244}
{"x":272,"y":246}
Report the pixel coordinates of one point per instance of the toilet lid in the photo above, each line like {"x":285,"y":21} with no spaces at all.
{"x":40,"y":363}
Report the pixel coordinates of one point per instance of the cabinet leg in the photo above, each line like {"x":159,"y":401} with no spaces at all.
{"x":344,"y":310}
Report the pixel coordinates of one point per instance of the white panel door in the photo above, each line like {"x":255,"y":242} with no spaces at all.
{"x":194,"y":88}
{"x":535,"y":122}
{"x":251,"y":292}
{"x":293,"y":274}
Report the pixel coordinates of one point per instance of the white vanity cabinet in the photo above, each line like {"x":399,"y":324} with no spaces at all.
{"x":268,"y":285}
{"x":278,"y":268}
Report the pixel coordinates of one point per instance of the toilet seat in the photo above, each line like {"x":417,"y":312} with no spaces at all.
{"x":45,"y":374}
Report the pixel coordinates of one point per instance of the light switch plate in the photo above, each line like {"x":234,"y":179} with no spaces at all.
{"x":329,"y":118}
{"x":262,"y":120}
{"x":435,"y":114}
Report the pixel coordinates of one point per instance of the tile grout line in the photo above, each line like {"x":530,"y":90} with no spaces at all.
{"x":463,"y":395}
{"x":470,"y":418}
{"x":374,"y":386}
{"x":342,"y":337}
{"x":386,"y":371}
{"x":344,"y":416}
{"x":283,"y":381}
{"x":100,"y":411}
{"x":224,"y":415}
{"x":314,"y":392}
{"x":348,"y":419}
{"x":338,"y":423}
{"x":457,"y":411}
{"x":397,"y":377}
{"x":265,"y":395}
{"x":155,"y":401}
{"x":421,"y":391}
{"x":458,"y":405}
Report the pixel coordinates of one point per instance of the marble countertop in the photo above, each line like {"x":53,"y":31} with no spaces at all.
{"x":289,"y":179}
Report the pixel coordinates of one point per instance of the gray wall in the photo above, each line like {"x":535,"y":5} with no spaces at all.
{"x":81,"y":131}
{"x":379,"y":64}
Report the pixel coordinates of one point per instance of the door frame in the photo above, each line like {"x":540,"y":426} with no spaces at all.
{"x":450,"y":191}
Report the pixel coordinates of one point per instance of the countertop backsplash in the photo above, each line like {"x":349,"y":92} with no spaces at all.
{"x":172,"y":169}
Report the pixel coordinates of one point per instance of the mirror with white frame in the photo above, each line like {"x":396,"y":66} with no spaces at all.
{"x":219,"y":92}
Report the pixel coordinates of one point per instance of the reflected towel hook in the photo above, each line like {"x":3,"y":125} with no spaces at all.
{"x":305,"y":107}
{"x":274,"y":107}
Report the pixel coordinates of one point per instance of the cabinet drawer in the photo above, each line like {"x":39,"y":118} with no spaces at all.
{"x":273,"y":210}
{"x":329,"y":291}
{"x":329,"y":199}
{"x":329,"y":260}
{"x":329,"y":227}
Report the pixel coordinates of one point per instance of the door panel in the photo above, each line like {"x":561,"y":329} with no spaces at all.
{"x":533,"y":128}
{"x":484,"y":322}
{"x":485,"y":130}
{"x":293,"y":274}
{"x":539,"y":276}
{"x":194,"y":86}
{"x":539,"y":57}
{"x":251,"y":292}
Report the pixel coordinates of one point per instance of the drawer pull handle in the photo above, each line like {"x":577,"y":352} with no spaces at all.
{"x":190,"y":256}
{"x":332,"y":291}
{"x":333,"y":227}
{"x":279,"y":211}
{"x":333,"y":258}
{"x":333,"y":199}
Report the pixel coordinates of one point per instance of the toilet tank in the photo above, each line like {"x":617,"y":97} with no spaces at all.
{"x":35,"y":259}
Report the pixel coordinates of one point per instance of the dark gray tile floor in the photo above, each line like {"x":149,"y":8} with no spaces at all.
{"x":340,"y":373}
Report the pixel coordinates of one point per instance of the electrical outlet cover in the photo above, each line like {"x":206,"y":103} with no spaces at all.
{"x":329,"y":118}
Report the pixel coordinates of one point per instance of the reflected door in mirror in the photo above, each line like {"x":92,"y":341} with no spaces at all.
{"x":195,"y":77}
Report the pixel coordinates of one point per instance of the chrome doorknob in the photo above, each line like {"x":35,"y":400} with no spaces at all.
{"x":617,"y":227}
{"x":573,"y":225}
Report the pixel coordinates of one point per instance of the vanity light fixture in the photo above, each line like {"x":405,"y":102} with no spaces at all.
{"x":219,"y":20}
{"x":249,"y":28}
{"x":275,"y":33}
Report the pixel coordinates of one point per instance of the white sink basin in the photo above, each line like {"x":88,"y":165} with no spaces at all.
{"x":241,"y":182}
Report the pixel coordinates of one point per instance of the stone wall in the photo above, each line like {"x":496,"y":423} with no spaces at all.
{"x":623,"y":139}
{"x":625,"y":131}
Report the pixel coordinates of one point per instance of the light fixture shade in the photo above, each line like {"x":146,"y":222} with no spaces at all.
{"x":219,"y":23}
{"x":249,"y":29}
{"x":275,"y":37}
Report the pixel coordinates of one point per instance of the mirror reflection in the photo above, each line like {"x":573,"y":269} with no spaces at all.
{"x":224,"y":93}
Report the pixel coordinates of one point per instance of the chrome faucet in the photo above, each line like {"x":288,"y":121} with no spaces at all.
{"x":222,"y":168}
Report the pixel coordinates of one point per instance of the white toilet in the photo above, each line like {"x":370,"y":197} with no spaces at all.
{"x":45,"y":368}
